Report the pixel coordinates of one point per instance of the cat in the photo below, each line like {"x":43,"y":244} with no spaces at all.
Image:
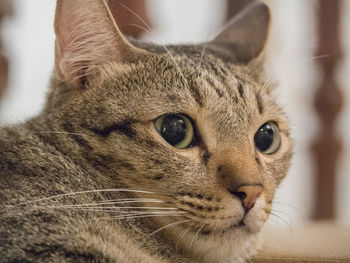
{"x":145,"y":153}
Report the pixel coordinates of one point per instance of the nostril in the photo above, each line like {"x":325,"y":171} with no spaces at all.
{"x":240,"y":195}
{"x":248,"y":195}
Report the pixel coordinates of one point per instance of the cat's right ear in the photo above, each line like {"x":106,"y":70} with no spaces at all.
{"x":245,"y":36}
{"x":86,"y":37}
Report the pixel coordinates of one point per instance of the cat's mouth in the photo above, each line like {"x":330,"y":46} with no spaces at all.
{"x":234,"y":226}
{"x":206,"y":230}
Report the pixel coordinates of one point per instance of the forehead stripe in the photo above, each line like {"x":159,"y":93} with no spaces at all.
{"x":259,"y":103}
{"x":123,"y":127}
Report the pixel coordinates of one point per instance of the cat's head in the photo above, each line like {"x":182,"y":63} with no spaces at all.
{"x":195,"y":124}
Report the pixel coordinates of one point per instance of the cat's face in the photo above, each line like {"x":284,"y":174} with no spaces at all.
{"x":200,"y":132}
{"x":119,"y":116}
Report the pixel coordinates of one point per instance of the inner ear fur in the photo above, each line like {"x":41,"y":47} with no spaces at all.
{"x":245,"y":35}
{"x":86,"y":37}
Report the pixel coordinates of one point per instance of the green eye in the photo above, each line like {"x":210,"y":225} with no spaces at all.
{"x":176,"y":129}
{"x":267,"y":139}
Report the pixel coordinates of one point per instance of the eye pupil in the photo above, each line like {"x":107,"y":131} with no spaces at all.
{"x":173,"y":129}
{"x":267,"y":138}
{"x":176,"y":129}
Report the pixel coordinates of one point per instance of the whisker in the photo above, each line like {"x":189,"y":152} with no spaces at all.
{"x":137,"y":216}
{"x":216,"y":227}
{"x":284,"y":221}
{"x":135,"y":213}
{"x":154,"y":212}
{"x":127,"y":199}
{"x":319,"y":57}
{"x":203,"y":52}
{"x":182,"y":234}
{"x":196,"y":235}
{"x":119,"y":212}
{"x":88,"y":192}
{"x":141,"y":20}
{"x":101,"y":204}
{"x":98,"y":204}
{"x":282,"y":212}
{"x":111,"y":207}
{"x":141,"y":27}
{"x":288,"y":205}
{"x":176,"y":64}
{"x":266,"y":82}
{"x":166,"y":226}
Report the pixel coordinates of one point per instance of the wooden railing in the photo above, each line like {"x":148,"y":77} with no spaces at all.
{"x":328,"y":104}
{"x":5,"y":9}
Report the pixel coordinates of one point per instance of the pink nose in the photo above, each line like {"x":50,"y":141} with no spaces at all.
{"x":248,"y":195}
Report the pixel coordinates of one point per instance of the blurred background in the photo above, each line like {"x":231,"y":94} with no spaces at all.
{"x":309,"y":59}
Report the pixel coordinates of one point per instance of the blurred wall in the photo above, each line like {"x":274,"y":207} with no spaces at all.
{"x":343,"y":206}
{"x":29,"y":40}
{"x":292,"y":45}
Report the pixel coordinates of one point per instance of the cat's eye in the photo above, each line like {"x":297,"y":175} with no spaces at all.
{"x":176,"y":129}
{"x":267,"y":139}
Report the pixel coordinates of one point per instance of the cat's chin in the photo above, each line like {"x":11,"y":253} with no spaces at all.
{"x":233,"y":243}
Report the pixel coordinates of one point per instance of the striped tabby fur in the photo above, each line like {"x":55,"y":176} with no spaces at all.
{"x":91,"y":180}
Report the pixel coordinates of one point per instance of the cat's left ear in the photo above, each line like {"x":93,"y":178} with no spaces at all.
{"x":245,"y":36}
{"x":87,"y":37}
